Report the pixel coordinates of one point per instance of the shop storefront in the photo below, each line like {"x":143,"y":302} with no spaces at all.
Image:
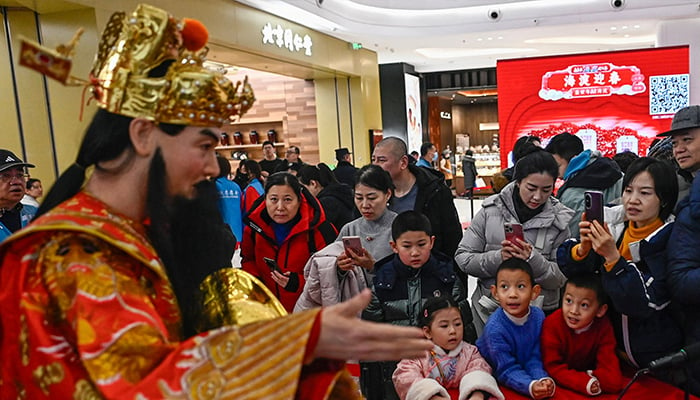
{"x":315,"y":92}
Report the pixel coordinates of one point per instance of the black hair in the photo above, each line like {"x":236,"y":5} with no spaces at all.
{"x":537,"y":162}
{"x":295,"y":149}
{"x":468,"y":152}
{"x":665,"y":182}
{"x":624,"y":159}
{"x":282,"y":179}
{"x":414,"y":153}
{"x":432,"y":306}
{"x":516,"y":264}
{"x":565,"y":145}
{"x":524,"y":146}
{"x":31,"y":182}
{"x":266,"y":143}
{"x":425,"y":147}
{"x":375,"y":177}
{"x":252,"y":169}
{"x":589,"y":281}
{"x":106,"y":138}
{"x":410,"y":221}
{"x":224,"y":166}
{"x":321,"y":173}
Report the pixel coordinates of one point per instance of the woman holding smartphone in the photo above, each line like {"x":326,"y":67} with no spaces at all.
{"x":337,"y":272}
{"x":525,"y":204}
{"x":629,"y":252}
{"x":287,"y":225}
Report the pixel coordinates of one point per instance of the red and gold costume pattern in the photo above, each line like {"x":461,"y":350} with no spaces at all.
{"x":88,"y":313}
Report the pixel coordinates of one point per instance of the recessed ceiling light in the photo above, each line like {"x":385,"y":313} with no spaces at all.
{"x":479,"y":39}
{"x":636,"y":27}
{"x":613,"y":28}
{"x":442,"y":53}
{"x":624,"y":26}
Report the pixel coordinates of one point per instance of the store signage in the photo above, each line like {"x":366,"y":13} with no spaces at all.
{"x":445,"y":115}
{"x":592,"y":80}
{"x":286,"y":38}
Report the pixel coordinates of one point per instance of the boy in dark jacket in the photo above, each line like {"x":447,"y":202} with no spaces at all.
{"x":402,"y":284}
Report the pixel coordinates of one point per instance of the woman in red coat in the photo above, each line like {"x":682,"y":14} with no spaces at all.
{"x":286,"y":225}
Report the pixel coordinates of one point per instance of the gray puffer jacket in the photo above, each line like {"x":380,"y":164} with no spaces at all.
{"x":479,"y":252}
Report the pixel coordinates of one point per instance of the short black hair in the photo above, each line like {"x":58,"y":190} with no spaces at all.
{"x":537,"y":162}
{"x":410,"y":221}
{"x":589,"y":281}
{"x":524,"y":146}
{"x":517,"y":264}
{"x":425,"y":147}
{"x":31,"y":182}
{"x":565,"y":145}
{"x":624,"y":159}
{"x":665,"y":181}
{"x":266,"y":143}
{"x":224,"y":166}
{"x":433,"y":305}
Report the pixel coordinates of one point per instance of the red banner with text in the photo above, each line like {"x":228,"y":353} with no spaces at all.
{"x":614,"y":101}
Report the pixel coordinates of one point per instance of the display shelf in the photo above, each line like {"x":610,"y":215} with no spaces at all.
{"x":248,"y":121}
{"x":245,"y":146}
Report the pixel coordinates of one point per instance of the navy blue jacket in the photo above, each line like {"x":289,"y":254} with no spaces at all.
{"x":646,"y":322}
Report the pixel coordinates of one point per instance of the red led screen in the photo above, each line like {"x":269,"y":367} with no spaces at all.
{"x":613,"y":100}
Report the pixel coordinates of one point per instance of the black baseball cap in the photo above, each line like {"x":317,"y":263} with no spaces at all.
{"x":341,"y":152}
{"x":9,"y":160}
{"x":684,"y":119}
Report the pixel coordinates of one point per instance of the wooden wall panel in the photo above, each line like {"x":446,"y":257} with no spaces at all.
{"x":466,"y":119}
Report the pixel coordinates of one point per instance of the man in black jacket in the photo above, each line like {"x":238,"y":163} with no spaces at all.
{"x":420,"y":189}
{"x":344,"y":172}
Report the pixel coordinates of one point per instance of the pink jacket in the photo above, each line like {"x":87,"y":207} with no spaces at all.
{"x":417,"y":379}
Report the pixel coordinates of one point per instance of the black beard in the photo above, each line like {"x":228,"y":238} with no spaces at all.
{"x":190,"y":237}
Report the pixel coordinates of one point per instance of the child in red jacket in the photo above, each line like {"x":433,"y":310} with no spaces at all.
{"x":578,"y":343}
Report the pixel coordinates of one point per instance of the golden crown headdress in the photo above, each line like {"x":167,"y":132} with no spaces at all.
{"x":151,"y":65}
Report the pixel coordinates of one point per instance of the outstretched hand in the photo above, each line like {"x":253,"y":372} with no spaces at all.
{"x":346,"y":337}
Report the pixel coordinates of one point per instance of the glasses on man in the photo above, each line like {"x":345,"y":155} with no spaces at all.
{"x":10,"y":176}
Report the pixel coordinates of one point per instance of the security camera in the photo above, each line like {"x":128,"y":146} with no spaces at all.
{"x":494,"y":14}
{"x":617,"y":4}
{"x":319,"y":3}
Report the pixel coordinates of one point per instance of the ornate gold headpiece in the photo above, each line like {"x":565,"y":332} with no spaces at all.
{"x":150,"y":65}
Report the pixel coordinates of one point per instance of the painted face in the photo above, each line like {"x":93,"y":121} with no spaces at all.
{"x":686,"y":149}
{"x":12,"y":185}
{"x":446,"y":329}
{"x":642,"y":205}
{"x":413,"y":248}
{"x":370,"y":202}
{"x":387,"y":160}
{"x":535,"y":189}
{"x":269,"y":152}
{"x":580,"y":306}
{"x":514,"y":292}
{"x":36,"y":190}
{"x":282,"y":203}
{"x":189,"y":158}
{"x":562,"y":163}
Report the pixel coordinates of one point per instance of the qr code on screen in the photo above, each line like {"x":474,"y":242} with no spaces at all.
{"x":668,"y":93}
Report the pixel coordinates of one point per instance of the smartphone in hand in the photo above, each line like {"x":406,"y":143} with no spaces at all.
{"x":272,"y":264}
{"x":513,"y":231}
{"x":593,"y":201}
{"x":354,"y":243}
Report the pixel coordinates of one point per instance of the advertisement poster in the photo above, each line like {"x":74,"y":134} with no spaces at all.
{"x":413,"y":116}
{"x":614,"y":101}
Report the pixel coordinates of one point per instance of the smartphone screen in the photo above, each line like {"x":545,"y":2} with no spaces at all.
{"x":272,"y":264}
{"x":354,"y":243}
{"x":514,"y":231}
{"x":594,"y":205}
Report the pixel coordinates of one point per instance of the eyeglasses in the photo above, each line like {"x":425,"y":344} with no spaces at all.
{"x":6,"y":177}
